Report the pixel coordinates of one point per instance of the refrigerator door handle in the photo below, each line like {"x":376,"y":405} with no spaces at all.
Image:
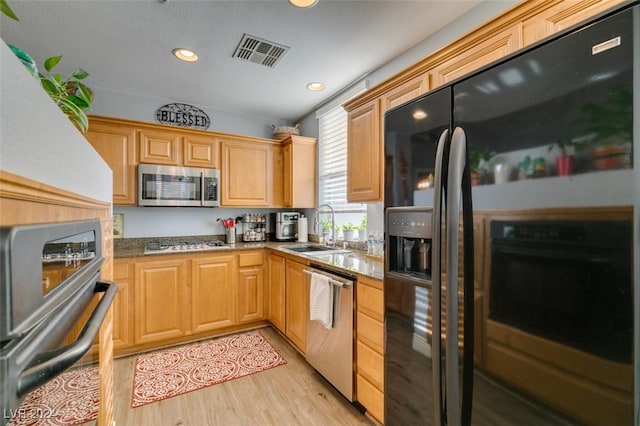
{"x":436,"y":258}
{"x":458,"y":195}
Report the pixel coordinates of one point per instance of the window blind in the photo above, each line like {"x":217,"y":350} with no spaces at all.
{"x":333,"y":162}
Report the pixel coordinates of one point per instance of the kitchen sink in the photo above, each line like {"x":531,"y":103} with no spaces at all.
{"x":315,"y":249}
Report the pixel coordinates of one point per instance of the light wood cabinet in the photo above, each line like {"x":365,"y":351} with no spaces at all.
{"x":167,"y":299}
{"x":365,"y":146}
{"x":252,"y":168}
{"x":364,"y":154}
{"x":251,"y":283}
{"x":160,"y":300}
{"x":277,"y":285}
{"x":123,"y":304}
{"x":297,"y":304}
{"x":405,"y":92}
{"x":300,"y":172}
{"x":370,"y":346}
{"x":557,"y":15}
{"x":117,"y":145}
{"x":160,"y":147}
{"x":200,"y":151}
{"x":486,"y":51}
{"x":289,"y":299}
{"x":371,"y":398}
{"x":245,"y":173}
{"x":213,"y":292}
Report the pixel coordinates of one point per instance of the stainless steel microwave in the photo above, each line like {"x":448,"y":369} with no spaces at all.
{"x":177,"y":186}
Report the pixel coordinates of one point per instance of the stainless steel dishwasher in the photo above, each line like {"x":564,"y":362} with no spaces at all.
{"x":330,"y":351}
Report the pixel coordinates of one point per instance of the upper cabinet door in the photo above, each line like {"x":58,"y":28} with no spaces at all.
{"x":201,"y":152}
{"x":300,"y":176}
{"x":560,"y":16}
{"x":116,"y":144}
{"x":405,"y":92}
{"x":364,"y":154}
{"x":158,"y":147}
{"x":246,"y":177}
{"x":485,"y":52}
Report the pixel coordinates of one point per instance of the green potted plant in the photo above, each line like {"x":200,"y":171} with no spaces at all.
{"x":326,"y":229}
{"x":565,"y":160}
{"x":611,"y":123}
{"x":70,"y":94}
{"x":476,"y":159}
{"x":349,"y":231}
{"x":362,"y":229}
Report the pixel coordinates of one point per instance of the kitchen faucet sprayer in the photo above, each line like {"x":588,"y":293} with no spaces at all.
{"x":317,"y":226}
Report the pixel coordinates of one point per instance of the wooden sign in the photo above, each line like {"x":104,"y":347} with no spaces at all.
{"x":183,"y":115}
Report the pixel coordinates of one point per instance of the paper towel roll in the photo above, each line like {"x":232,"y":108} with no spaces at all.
{"x":303,"y":231}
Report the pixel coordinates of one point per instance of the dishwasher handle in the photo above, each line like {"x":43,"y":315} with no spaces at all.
{"x":333,"y":279}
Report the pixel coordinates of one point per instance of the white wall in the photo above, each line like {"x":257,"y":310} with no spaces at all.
{"x":37,"y":141}
{"x":112,"y":103}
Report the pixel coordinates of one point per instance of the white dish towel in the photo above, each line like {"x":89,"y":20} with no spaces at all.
{"x":321,"y":303}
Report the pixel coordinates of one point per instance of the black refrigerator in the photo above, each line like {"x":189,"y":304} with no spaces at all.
{"x":512,"y":259}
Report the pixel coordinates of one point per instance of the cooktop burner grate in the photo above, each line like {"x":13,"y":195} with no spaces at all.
{"x":184,"y":246}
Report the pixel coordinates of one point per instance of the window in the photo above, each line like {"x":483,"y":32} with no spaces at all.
{"x":332,"y":179}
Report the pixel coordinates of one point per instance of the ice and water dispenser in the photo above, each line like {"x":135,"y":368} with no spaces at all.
{"x":409,"y":241}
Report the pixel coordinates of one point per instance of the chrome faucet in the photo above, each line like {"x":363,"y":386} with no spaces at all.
{"x":332,"y":241}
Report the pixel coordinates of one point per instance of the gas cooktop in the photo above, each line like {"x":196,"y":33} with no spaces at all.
{"x":184,"y":246}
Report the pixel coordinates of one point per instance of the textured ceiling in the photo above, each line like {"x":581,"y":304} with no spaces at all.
{"x":126,"y":45}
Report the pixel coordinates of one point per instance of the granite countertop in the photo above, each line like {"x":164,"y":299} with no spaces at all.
{"x":353,"y":261}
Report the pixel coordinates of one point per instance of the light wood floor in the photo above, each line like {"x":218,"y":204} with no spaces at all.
{"x":291,"y":394}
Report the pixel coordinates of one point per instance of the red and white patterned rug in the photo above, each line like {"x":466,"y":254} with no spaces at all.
{"x":70,"y":399}
{"x":175,"y":371}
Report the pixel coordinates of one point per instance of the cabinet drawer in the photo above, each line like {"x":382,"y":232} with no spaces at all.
{"x":370,"y":397}
{"x":370,"y":301}
{"x":250,"y":259}
{"x":371,"y":332}
{"x":370,"y":365}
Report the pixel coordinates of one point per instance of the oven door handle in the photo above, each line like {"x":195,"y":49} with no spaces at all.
{"x":50,"y":364}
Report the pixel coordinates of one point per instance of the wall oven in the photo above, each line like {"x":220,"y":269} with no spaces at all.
{"x":49,"y":277}
{"x":565,"y":281}
{"x":177,"y":186}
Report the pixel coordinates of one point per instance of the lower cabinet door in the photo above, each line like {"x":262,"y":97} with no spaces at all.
{"x":297,"y":303}
{"x":277,"y":295}
{"x":122,"y":304}
{"x":213,"y":292}
{"x":160,"y":300}
{"x":250,"y":294}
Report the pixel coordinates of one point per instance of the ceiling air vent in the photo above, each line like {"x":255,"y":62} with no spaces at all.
{"x":259,"y":51}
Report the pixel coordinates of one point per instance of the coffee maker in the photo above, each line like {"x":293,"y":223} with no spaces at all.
{"x":286,"y":225}
{"x":409,"y":242}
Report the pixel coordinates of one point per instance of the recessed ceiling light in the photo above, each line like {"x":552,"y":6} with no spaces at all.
{"x":303,"y":3}
{"x":185,"y":54}
{"x":315,"y":86}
